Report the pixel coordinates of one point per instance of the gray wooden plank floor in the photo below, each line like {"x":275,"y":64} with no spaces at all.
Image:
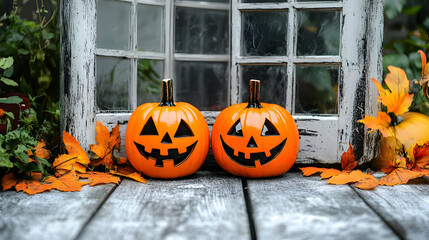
{"x":207,"y":205}
{"x":296,"y":207}
{"x":405,"y":208}
{"x":214,"y":205}
{"x":49,"y":215}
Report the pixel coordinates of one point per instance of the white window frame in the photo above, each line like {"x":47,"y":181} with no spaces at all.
{"x":323,"y":138}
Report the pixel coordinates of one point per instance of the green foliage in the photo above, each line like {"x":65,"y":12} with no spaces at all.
{"x":33,"y":47}
{"x":147,"y":73}
{"x":15,"y":144}
{"x":402,"y":52}
{"x":6,"y":66}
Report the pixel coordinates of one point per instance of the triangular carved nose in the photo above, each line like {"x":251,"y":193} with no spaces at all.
{"x":252,"y":143}
{"x":166,"y":139}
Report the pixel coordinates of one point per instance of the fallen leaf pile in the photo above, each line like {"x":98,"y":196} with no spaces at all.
{"x":73,"y":169}
{"x":366,"y":181}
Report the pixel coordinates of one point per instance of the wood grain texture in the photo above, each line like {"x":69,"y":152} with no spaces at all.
{"x":204,"y":206}
{"x":77,"y":84}
{"x":50,"y":215}
{"x":297,"y":207}
{"x":404,"y":207}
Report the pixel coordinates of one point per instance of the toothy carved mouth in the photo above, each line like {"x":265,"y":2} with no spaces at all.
{"x":250,"y":162}
{"x":173,"y":154}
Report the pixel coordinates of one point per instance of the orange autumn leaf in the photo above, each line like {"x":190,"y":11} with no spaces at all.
{"x":41,"y":151}
{"x":122,"y":160}
{"x":73,"y":147}
{"x":308,"y":171}
{"x":1,"y":113}
{"x":69,"y":182}
{"x":425,"y":66}
{"x":8,"y":181}
{"x":381,"y":123}
{"x":399,"y":176}
{"x":107,"y":161}
{"x":348,"y":159}
{"x":329,"y":172}
{"x":421,"y":155}
{"x":96,"y":178}
{"x":129,"y":172}
{"x":347,"y":177}
{"x":397,"y":98}
{"x":106,"y":143}
{"x":324,"y":172}
{"x":32,"y":187}
{"x":76,"y":159}
{"x":70,"y":162}
{"x":425,"y":74}
{"x":424,"y":171}
{"x":368,"y":182}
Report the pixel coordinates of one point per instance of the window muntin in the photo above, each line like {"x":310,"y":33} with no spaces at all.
{"x":164,"y":39}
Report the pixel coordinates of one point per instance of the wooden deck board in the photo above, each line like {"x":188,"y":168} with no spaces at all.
{"x":404,"y":207}
{"x":50,"y":215}
{"x":207,"y":206}
{"x":297,"y":207}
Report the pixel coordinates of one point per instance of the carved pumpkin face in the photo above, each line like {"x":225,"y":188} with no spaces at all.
{"x":257,"y":141}
{"x":167,"y":141}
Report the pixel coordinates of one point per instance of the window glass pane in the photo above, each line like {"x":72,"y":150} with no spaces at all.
{"x":316,"y":89}
{"x":149,"y":76}
{"x":202,"y":84}
{"x":201,"y":31}
{"x":262,"y":1}
{"x":150,"y":28}
{"x":273,"y":82}
{"x":113,"y":24}
{"x":264,"y":33}
{"x":113,"y":75}
{"x":318,"y":33}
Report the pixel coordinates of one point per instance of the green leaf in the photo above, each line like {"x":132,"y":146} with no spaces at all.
{"x":5,"y":63}
{"x":11,"y":100}
{"x":393,"y":7}
{"x":43,"y":161}
{"x":47,"y":35}
{"x":8,"y":81}
{"x":410,"y":11}
{"x":9,"y":114}
{"x":4,"y":160}
{"x":8,"y":72}
{"x":22,"y":155}
{"x":426,"y":22}
{"x":22,"y":51}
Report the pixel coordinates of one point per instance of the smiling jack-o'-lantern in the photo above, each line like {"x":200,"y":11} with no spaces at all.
{"x":167,"y":139}
{"x":255,"y":139}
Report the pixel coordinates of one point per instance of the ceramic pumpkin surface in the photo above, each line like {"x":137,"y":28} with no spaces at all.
{"x":167,"y":139}
{"x":255,"y":139}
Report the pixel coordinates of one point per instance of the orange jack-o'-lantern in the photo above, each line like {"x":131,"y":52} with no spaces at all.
{"x":167,"y":139}
{"x":255,"y":139}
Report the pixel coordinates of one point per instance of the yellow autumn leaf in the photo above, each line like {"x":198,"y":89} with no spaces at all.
{"x":398,"y":99}
{"x":381,"y":123}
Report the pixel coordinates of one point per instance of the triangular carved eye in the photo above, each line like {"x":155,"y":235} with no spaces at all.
{"x":149,"y":128}
{"x":269,"y":129}
{"x":183,"y":130}
{"x":236,"y":129}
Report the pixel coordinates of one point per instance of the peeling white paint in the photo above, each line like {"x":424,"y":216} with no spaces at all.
{"x":323,"y":138}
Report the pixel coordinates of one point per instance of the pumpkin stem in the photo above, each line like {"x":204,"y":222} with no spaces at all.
{"x":254,"y":90}
{"x":167,"y":93}
{"x":393,"y":119}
